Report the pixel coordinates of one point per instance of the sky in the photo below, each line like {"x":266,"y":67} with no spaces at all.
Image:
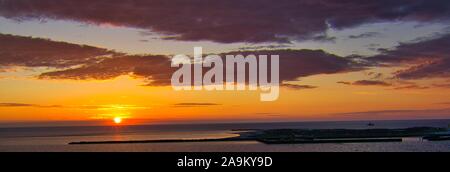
{"x":92,"y":61}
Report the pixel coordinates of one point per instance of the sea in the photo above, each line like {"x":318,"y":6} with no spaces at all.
{"x":56,"y":139}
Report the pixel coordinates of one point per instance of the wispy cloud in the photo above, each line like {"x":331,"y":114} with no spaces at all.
{"x":84,"y":107}
{"x":15,"y":105}
{"x":366,"y":83}
{"x":410,"y":113}
{"x":28,"y":105}
{"x":298,"y":87}
{"x":442,"y":85}
{"x":411,"y":86}
{"x":429,"y":59}
{"x":364,"y":35}
{"x":195,"y":104}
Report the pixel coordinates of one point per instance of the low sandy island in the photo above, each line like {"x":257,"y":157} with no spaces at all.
{"x":304,"y":136}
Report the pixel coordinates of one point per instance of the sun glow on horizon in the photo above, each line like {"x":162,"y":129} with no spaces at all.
{"x":117,"y":120}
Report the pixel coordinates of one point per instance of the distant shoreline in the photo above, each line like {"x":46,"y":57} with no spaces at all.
{"x":302,"y":136}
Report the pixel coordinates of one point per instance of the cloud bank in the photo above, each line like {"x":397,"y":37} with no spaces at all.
{"x":230,"y":21}
{"x":428,"y":58}
{"x":81,"y":62}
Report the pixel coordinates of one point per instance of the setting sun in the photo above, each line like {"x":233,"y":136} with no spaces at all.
{"x":117,"y":120}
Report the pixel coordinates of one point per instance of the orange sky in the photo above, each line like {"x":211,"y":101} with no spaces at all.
{"x":125,"y":97}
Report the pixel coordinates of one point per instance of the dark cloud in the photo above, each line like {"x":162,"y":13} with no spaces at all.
{"x":298,"y":87}
{"x":375,"y":75}
{"x":152,"y":67}
{"x":87,"y":62}
{"x":302,"y":63}
{"x":364,"y":35}
{"x":80,"y":62}
{"x":366,"y":83}
{"x":324,"y":38}
{"x":263,"y":47}
{"x":37,"y":52}
{"x":293,"y":64}
{"x":230,"y":20}
{"x":373,"y":46}
{"x":344,"y":82}
{"x":429,"y":59}
{"x":371,"y":82}
{"x":427,"y":69}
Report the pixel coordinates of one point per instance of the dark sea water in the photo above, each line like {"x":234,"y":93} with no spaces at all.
{"x":57,"y":138}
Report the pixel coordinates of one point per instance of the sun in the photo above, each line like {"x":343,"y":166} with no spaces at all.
{"x":117,"y":120}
